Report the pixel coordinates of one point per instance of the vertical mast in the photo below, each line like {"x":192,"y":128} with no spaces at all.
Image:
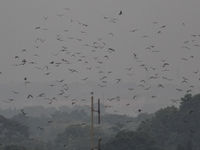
{"x":92,"y":122}
{"x":99,"y":112}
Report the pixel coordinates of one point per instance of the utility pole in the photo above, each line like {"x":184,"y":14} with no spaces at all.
{"x":92,"y":123}
{"x":99,"y":112}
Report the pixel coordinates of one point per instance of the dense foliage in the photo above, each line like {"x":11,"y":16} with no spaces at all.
{"x":170,"y":128}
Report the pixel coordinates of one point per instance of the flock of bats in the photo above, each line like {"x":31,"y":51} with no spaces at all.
{"x":93,"y":56}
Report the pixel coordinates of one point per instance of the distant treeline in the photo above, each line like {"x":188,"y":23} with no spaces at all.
{"x":170,"y":128}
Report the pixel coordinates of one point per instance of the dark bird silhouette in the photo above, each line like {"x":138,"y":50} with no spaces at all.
{"x":22,"y":111}
{"x":72,"y":70}
{"x":110,"y":50}
{"x":175,"y":100}
{"x":41,"y":95}
{"x":67,"y":96}
{"x":163,"y":26}
{"x":159,"y":32}
{"x":160,"y":85}
{"x":52,"y":85}
{"x":147,"y":88}
{"x":185,"y":59}
{"x":118,"y":80}
{"x":153,"y":77}
{"x":189,"y":90}
{"x":130,"y":89}
{"x":36,"y":28}
{"x":29,"y":96}
{"x":165,"y":64}
{"x":180,"y":90}
{"x":15,"y":92}
{"x":85,"y":78}
{"x":52,"y":62}
{"x":191,"y":111}
{"x":185,"y":80}
{"x":143,"y":81}
{"x":47,"y":73}
{"x":120,"y":13}
{"x":16,"y":57}
{"x":129,"y":69}
{"x":50,"y":121}
{"x":61,"y":80}
{"x":100,"y":85}
{"x":134,"y":97}
{"x":133,"y":30}
{"x":11,"y":99}
{"x":166,"y":78}
{"x":40,"y":128}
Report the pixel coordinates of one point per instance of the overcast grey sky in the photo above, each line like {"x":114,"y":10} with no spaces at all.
{"x":180,"y":19}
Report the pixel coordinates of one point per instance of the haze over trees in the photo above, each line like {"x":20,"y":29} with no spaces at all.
{"x":170,"y":128}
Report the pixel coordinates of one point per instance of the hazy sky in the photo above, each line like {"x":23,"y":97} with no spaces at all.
{"x":177,"y":20}
{"x":19,"y":18}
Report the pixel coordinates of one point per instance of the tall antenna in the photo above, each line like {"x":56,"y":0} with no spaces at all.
{"x":99,"y":119}
{"x":92,"y":123}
